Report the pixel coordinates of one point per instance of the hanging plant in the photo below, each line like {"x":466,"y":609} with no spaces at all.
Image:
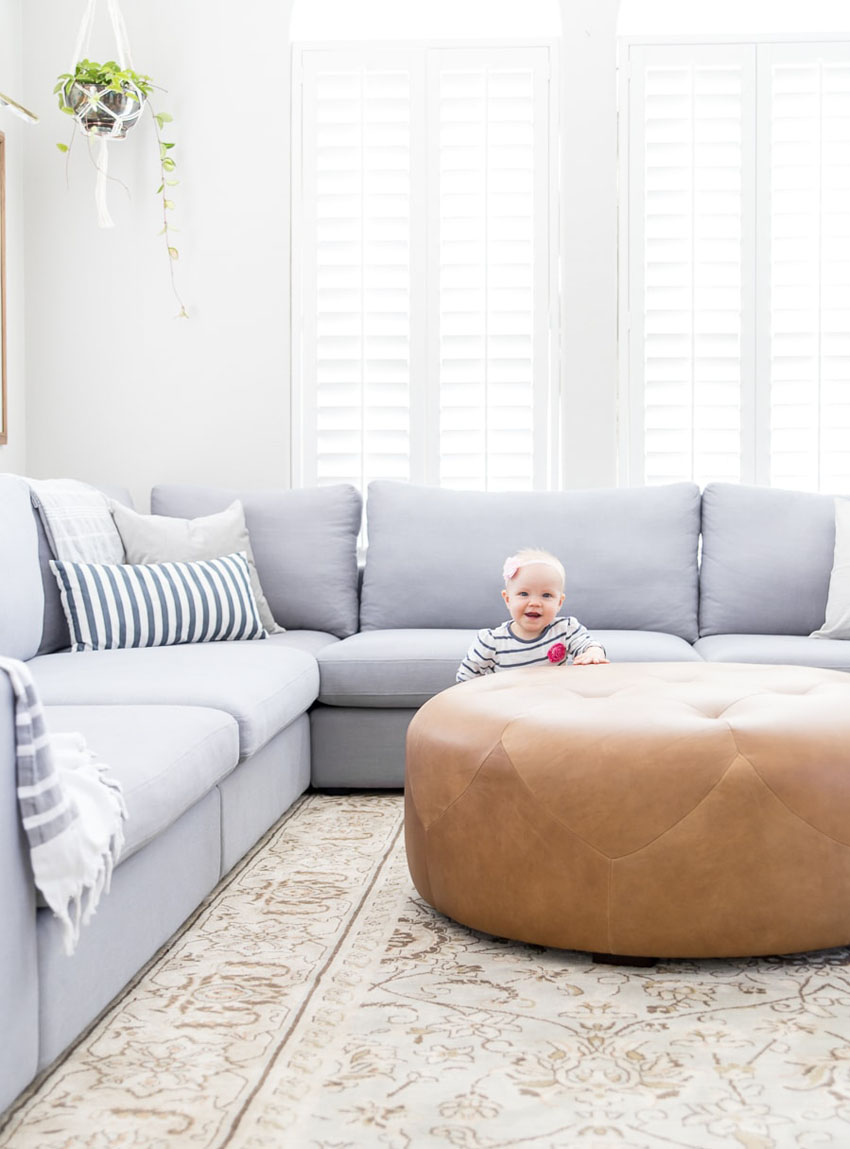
{"x":106,"y":101}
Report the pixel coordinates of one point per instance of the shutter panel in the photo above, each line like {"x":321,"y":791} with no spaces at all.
{"x":805,"y":114}
{"x":356,"y":267}
{"x":689,"y":207}
{"x":422,"y":267}
{"x":489,"y":264}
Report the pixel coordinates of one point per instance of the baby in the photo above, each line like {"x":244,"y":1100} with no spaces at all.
{"x":535,"y":635}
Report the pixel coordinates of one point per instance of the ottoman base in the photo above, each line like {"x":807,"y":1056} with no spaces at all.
{"x":651,"y":810}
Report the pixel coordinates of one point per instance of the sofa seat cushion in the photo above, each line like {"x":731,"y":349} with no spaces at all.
{"x":263,"y":685}
{"x":310,"y":640}
{"x":165,"y":757}
{"x":645,"y":646}
{"x":394,"y":668}
{"x":786,"y":649}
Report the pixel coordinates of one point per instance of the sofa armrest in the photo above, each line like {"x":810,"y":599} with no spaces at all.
{"x":18,"y":966}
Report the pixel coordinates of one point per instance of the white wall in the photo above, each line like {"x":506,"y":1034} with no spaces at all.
{"x":120,"y":391}
{"x":13,"y":455}
{"x":118,"y":388}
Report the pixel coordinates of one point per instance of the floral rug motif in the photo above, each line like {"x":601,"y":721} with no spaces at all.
{"x":315,"y":1002}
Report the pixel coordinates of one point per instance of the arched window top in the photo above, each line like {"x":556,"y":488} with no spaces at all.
{"x":731,"y":17}
{"x":330,"y":20}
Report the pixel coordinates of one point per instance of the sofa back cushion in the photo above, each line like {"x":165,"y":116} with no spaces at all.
{"x":21,"y":596}
{"x":435,"y":556}
{"x":304,"y":544}
{"x":766,"y":560}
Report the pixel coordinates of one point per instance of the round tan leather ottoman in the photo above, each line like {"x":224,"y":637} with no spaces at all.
{"x":647,"y":809}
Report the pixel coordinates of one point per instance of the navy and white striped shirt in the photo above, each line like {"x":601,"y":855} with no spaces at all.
{"x":500,"y":649}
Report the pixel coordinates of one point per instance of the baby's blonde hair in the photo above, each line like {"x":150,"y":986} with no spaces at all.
{"x":526,"y":557}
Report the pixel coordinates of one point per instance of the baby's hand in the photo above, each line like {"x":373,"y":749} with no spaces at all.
{"x":592,"y":654}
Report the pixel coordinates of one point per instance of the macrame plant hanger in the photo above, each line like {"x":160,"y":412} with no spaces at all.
{"x":104,"y":131}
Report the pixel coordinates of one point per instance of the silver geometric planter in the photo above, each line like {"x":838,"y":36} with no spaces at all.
{"x":101,"y":111}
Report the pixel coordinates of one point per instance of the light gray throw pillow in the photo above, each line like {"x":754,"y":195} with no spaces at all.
{"x":162,"y":539}
{"x":837,"y":621}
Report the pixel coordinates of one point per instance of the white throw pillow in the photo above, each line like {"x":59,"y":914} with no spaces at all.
{"x":163,"y":539}
{"x":837,"y":621}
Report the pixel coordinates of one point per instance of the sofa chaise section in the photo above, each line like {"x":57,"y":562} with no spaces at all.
{"x":210,"y":743}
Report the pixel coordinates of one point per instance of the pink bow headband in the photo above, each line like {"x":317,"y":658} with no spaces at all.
{"x":512,"y":565}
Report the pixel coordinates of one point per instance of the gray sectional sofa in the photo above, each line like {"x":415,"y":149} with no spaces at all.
{"x":213,"y":742}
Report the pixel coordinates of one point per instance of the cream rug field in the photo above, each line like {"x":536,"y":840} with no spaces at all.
{"x":315,"y":1001}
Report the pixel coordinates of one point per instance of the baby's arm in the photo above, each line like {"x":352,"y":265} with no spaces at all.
{"x":581,"y":644}
{"x":480,"y":658}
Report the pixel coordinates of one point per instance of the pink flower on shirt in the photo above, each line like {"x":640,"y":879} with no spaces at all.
{"x":557,"y":653}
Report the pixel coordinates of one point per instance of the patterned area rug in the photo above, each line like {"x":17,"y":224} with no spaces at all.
{"x":315,"y":1001}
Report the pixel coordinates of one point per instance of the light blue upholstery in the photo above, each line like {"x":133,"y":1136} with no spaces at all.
{"x":358,"y":747}
{"x":18,"y":974}
{"x":766,"y":560}
{"x":780,"y":649}
{"x":435,"y":556}
{"x":264,"y":685}
{"x":407,"y":667}
{"x":151,"y":895}
{"x":21,"y":595}
{"x":165,"y":757}
{"x":253,"y":797}
{"x":304,"y":544}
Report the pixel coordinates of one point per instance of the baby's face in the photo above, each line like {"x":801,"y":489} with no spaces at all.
{"x":534,"y":596}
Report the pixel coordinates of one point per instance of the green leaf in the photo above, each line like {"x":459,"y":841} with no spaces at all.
{"x":168,"y":165}
{"x":174,"y":253}
{"x":172,"y":183}
{"x":168,"y":204}
{"x":163,"y":118}
{"x":165,"y":145}
{"x":68,"y":111}
{"x":62,"y":147}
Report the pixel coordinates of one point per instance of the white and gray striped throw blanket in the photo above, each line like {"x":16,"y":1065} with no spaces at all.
{"x":71,"y":811}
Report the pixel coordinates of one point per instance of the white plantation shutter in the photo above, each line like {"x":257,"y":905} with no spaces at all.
{"x":422,"y":284}
{"x":738,"y":264}
{"x":357,"y":165}
{"x":690,"y":270}
{"x":805,"y":122}
{"x":489,"y":266}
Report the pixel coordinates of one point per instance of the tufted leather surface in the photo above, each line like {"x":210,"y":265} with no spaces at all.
{"x":659,"y":809}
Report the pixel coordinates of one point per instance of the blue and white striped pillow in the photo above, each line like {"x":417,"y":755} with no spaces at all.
{"x":157,"y":604}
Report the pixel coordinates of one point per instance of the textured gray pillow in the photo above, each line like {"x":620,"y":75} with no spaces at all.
{"x":163,"y":539}
{"x":54,"y":629}
{"x":435,"y":556}
{"x":304,"y":543}
{"x":766,"y":559}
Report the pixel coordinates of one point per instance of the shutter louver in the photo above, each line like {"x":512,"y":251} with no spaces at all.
{"x":691,"y":270}
{"x":809,"y":125}
{"x":489,"y":217}
{"x":361,"y":346}
{"x":423,"y":267}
